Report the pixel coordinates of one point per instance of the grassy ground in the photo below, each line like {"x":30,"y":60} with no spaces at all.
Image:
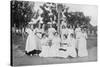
{"x":19,"y":58}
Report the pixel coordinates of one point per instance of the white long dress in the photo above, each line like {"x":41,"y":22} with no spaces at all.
{"x":45,"y":48}
{"x":38,"y":38}
{"x":30,"y":42}
{"x":50,"y":33}
{"x":82,"y":46}
{"x":71,"y":49}
{"x":78,"y":35}
{"x":54,"y":49}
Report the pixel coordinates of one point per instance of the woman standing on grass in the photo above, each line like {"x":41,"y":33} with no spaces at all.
{"x":71,"y":48}
{"x":82,"y":47}
{"x":31,"y":40}
{"x":38,"y":36}
{"x":78,"y":34}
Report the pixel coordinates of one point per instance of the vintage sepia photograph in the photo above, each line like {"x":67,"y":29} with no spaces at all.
{"x":52,"y":33}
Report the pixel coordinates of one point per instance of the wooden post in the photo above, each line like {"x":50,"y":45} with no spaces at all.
{"x":59,"y":10}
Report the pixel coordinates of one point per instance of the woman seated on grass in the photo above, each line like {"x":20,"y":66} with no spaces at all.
{"x":68,"y":47}
{"x":44,"y":45}
{"x":54,"y":49}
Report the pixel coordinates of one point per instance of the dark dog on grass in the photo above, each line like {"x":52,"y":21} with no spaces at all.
{"x":33,"y":52}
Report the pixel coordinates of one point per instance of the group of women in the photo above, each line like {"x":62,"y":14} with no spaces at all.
{"x":54,"y":44}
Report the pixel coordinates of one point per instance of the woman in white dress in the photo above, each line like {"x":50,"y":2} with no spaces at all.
{"x":38,"y":37}
{"x":71,"y":48}
{"x":82,"y":46}
{"x":77,"y":33}
{"x":31,"y":40}
{"x":54,"y":49}
{"x":45,"y":46}
{"x":51,"y":32}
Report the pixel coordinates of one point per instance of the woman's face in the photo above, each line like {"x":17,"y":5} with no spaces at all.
{"x":71,"y":36}
{"x":77,"y":26}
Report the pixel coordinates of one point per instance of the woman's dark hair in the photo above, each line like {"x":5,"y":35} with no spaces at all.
{"x":55,"y":33}
{"x":63,"y":26}
{"x":65,"y":36}
{"x":72,"y":35}
{"x":44,"y":34}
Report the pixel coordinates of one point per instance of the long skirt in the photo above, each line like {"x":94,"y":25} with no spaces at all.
{"x":71,"y":52}
{"x":44,"y":51}
{"x":53,"y":52}
{"x":76,"y":45}
{"x":82,"y":48}
{"x":30,"y":43}
{"x":38,"y":42}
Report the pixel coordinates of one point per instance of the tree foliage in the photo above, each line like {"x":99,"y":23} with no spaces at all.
{"x":45,"y":14}
{"x":77,"y":18}
{"x":21,"y":13}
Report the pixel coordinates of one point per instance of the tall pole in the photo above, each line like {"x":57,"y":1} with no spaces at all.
{"x":59,"y":10}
